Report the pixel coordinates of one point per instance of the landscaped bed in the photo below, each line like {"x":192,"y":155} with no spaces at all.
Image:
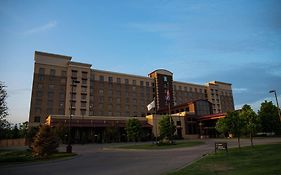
{"x":260,"y":160}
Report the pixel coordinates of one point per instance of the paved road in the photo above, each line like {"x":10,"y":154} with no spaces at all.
{"x":105,"y":160}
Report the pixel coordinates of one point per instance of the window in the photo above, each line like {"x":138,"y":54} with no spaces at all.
{"x":39,"y":86}
{"x":37,"y":119}
{"x":118,"y":80}
{"x":83,"y":97}
{"x":51,"y":86}
{"x":110,"y":79}
{"x":74,"y":73}
{"x":118,"y":100}
{"x":84,"y":82}
{"x":134,"y":82}
{"x":101,"y":78}
{"x":37,"y":110}
{"x":63,"y":73}
{"x":84,"y":75}
{"x":141,"y":83}
{"x":83,"y":104}
{"x":39,"y":93}
{"x":84,"y":90}
{"x":126,"y":81}
{"x":134,"y":88}
{"x":38,"y":102}
{"x":101,"y":92}
{"x":52,"y":72}
{"x":40,"y":77}
{"x":147,"y":84}
{"x":41,"y":71}
{"x":50,"y":95}
{"x":165,"y":79}
{"x":109,"y":100}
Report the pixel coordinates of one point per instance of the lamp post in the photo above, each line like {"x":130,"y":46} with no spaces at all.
{"x":275,"y":94}
{"x":69,"y":147}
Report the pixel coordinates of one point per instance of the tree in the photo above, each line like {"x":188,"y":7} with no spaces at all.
{"x":268,"y":115}
{"x":252,"y":122}
{"x":222,"y":126}
{"x":133,"y":129}
{"x":45,"y":142}
{"x":3,"y":107}
{"x":232,"y":123}
{"x":167,"y":128}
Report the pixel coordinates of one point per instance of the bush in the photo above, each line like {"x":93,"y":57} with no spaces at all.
{"x":45,"y":142}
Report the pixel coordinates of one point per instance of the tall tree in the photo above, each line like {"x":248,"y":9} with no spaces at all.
{"x":232,"y":123}
{"x":133,"y":129}
{"x":3,"y":107}
{"x":268,"y":115}
{"x":252,"y":122}
{"x":167,"y":128}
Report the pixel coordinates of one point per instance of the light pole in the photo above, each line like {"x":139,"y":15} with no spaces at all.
{"x":274,"y":91}
{"x":69,"y":147}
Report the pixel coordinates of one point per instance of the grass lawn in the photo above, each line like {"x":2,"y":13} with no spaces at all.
{"x":21,"y":156}
{"x":260,"y":160}
{"x":179,"y":144}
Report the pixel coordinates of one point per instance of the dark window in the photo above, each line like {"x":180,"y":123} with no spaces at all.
{"x":74,"y":73}
{"x":118,"y":80}
{"x":147,"y":84}
{"x":110,"y":79}
{"x":101,"y":78}
{"x":141,"y":83}
{"x":37,"y":119}
{"x":134,"y":82}
{"x":126,"y":81}
{"x":84,"y":75}
{"x":41,"y":71}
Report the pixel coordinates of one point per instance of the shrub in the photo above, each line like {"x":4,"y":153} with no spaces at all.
{"x":45,"y":142}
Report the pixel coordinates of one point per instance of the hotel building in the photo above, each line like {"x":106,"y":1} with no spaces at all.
{"x":60,"y":84}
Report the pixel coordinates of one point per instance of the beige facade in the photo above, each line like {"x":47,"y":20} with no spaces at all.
{"x":60,"y":84}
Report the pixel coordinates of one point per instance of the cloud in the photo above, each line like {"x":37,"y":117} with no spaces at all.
{"x":42,"y":28}
{"x":240,"y":90}
{"x":164,"y":29}
{"x":256,"y":104}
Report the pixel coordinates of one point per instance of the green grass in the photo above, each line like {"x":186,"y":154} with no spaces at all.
{"x":21,"y":156}
{"x":260,"y":160}
{"x":180,"y":144}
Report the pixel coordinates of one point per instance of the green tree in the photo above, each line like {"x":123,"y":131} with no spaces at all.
{"x":4,"y":124}
{"x":222,"y":126}
{"x":15,"y":132}
{"x":133,"y":129}
{"x":268,"y":115}
{"x":232,"y":123}
{"x":167,"y":128}
{"x":23,"y":129}
{"x":45,"y":142}
{"x":252,"y":122}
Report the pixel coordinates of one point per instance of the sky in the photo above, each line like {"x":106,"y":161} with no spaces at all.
{"x":233,"y":41}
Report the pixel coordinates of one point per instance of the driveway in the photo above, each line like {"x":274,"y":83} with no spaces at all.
{"x":104,"y":159}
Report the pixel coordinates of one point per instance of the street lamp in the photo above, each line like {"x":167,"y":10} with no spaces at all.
{"x":69,"y":147}
{"x":274,"y":91}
